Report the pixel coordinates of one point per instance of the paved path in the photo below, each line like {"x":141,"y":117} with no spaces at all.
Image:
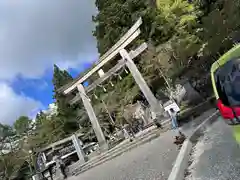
{"x":187,"y":128}
{"x":151,"y":161}
{"x":217,"y":155}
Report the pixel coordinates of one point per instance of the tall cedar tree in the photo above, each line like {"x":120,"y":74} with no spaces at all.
{"x":66,"y":113}
{"x":115,"y":17}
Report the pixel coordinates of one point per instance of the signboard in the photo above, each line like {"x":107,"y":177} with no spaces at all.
{"x":173,"y":105}
{"x":101,"y":73}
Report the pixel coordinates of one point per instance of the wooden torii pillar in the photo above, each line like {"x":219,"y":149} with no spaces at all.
{"x":94,"y":121}
{"x":153,"y":102}
{"x":127,"y":60}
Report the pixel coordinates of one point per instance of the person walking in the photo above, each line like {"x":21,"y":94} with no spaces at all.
{"x":60,"y":164}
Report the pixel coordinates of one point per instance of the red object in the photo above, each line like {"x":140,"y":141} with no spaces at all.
{"x":226,"y":111}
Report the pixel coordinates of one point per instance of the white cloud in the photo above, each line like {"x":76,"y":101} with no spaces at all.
{"x":14,"y":105}
{"x":34,"y":34}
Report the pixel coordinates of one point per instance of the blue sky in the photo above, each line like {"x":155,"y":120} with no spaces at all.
{"x":41,"y":89}
{"x":35,"y":35}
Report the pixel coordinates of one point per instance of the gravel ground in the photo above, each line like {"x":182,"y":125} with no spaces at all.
{"x":216,"y":156}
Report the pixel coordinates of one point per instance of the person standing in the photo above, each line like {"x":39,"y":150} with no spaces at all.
{"x":173,"y":115}
{"x":60,"y":164}
{"x":179,"y":137}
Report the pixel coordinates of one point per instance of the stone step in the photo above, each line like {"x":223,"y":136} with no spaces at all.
{"x":117,"y":153}
{"x":120,"y":149}
{"x":106,"y":154}
{"x":114,"y":149}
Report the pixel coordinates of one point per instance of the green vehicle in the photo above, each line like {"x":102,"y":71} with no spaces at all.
{"x":225,"y":76}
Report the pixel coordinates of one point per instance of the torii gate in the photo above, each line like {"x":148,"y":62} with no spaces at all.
{"x":127,"y":60}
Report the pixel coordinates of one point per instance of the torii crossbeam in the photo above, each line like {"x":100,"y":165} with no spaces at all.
{"x":127,"y":60}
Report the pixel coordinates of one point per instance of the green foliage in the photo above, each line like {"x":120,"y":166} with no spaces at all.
{"x":115,"y":17}
{"x":22,"y":125}
{"x":61,"y":78}
{"x":182,"y":17}
{"x":180,"y":36}
{"x":6,"y":131}
{"x":50,"y":130}
{"x":186,"y":38}
{"x":115,"y":99}
{"x":10,"y":164}
{"x":66,"y":113}
{"x":11,"y":156}
{"x":172,"y":22}
{"x":224,"y":16}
